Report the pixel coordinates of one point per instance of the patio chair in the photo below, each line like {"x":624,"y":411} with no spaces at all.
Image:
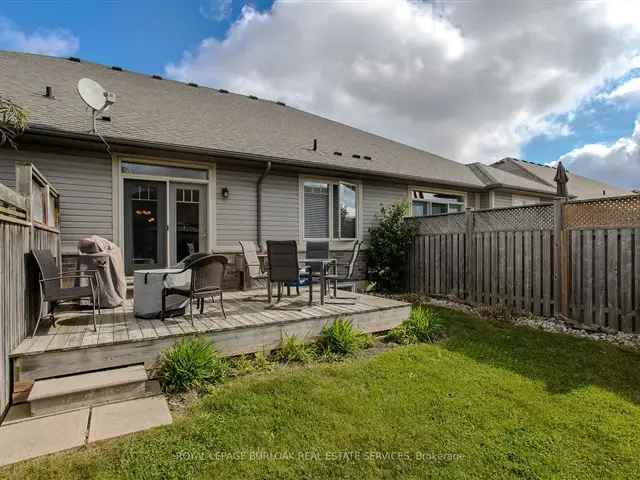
{"x":52,"y":291}
{"x":284,"y":268}
{"x":207,"y":275}
{"x":344,"y":273}
{"x":316,"y":250}
{"x":256,"y":271}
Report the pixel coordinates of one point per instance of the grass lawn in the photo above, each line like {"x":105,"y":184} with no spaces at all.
{"x":489,"y":400}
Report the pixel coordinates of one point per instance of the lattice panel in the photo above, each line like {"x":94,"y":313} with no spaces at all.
{"x":534,"y":217}
{"x":451,"y":223}
{"x":618,"y":212}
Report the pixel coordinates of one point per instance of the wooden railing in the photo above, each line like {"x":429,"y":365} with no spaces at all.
{"x":19,"y":291}
{"x":579,"y":260}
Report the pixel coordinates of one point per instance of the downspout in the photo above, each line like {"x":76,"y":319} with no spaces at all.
{"x":259,"y":203}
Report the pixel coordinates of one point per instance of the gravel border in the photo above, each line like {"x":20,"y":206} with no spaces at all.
{"x":547,"y":324}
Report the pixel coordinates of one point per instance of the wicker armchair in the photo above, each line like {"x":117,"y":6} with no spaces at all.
{"x":207,"y":275}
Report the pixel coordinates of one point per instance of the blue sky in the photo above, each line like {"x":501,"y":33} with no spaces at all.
{"x":473,"y":81}
{"x":140,"y":35}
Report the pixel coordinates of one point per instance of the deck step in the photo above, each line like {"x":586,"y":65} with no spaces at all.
{"x":87,"y":389}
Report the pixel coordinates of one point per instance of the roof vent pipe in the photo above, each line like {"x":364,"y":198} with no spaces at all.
{"x":259,"y":203}
{"x":48,"y":92}
{"x":315,"y":144}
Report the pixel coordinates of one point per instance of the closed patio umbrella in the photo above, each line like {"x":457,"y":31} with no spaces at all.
{"x":561,"y":180}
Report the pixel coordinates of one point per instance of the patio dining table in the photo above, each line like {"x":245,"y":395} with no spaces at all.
{"x":325,"y":263}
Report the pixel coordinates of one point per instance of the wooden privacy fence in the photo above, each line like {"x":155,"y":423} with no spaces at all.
{"x":19,"y":233}
{"x":578,"y":259}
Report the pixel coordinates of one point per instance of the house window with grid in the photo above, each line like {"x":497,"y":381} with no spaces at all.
{"x":425,"y":204}
{"x":330,"y":210}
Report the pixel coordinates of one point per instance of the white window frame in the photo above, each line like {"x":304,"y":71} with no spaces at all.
{"x":443,"y":191}
{"x":331,"y":181}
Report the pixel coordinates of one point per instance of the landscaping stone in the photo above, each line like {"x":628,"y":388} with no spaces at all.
{"x":41,"y":436}
{"x":118,"y":419}
{"x":550,"y":324}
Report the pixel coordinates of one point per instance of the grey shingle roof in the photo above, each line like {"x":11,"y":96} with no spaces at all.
{"x":177,"y":114}
{"x":578,"y":186}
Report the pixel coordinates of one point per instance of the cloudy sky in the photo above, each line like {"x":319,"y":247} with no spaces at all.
{"x":473,"y":80}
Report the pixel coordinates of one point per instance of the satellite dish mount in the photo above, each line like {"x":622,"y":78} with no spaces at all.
{"x":96,"y":98}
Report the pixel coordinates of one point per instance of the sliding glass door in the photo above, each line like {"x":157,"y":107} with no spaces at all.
{"x":165,"y":217}
{"x":145,"y":222}
{"x":188,"y":233}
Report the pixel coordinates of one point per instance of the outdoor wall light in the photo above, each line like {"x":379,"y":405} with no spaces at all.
{"x":225,"y":192}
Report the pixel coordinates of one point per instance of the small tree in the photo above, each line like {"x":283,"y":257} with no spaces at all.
{"x":389,"y":243}
{"x":13,"y":121}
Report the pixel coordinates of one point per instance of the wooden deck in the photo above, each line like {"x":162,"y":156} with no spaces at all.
{"x":251,"y":325}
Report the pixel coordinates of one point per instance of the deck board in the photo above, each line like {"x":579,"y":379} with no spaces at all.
{"x":250,"y":326}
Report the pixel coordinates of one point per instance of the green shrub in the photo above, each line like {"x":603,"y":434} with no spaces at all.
{"x":293,"y":350}
{"x":191,"y":363}
{"x":340,"y":338}
{"x":423,"y":325}
{"x":389,"y":244}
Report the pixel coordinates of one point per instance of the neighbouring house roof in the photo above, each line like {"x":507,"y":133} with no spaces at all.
{"x":578,"y":187}
{"x":160,"y":112}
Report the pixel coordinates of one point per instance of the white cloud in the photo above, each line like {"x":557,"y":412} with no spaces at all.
{"x":617,"y":164}
{"x":57,"y":42}
{"x":627,"y":92}
{"x":216,"y":10}
{"x":473,"y":81}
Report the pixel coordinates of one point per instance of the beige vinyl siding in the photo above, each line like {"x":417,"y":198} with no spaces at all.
{"x":502,"y":199}
{"x":518,"y":199}
{"x":280,"y":215}
{"x":84,"y":183}
{"x":375,"y":195}
{"x":236,"y":215}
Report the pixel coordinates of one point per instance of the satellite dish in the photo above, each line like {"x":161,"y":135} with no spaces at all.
{"x":96,"y":98}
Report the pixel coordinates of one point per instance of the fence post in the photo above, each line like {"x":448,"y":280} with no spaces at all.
{"x":24,"y":175}
{"x":469,"y":251}
{"x":562,"y":277}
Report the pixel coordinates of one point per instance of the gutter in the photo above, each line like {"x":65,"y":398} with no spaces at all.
{"x":36,"y":131}
{"x":168,"y":147}
{"x":259,"y":203}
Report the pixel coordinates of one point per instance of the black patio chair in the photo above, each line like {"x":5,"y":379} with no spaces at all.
{"x":207,"y":275}
{"x":344,"y":273}
{"x":52,"y":291}
{"x":319,"y":249}
{"x":284,"y":268}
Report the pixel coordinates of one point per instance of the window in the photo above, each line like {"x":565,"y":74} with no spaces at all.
{"x":330,"y":210}
{"x":164,"y":171}
{"x":425,"y":204}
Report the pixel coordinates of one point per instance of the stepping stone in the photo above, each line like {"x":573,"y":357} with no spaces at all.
{"x":116,"y":419}
{"x":41,"y":436}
